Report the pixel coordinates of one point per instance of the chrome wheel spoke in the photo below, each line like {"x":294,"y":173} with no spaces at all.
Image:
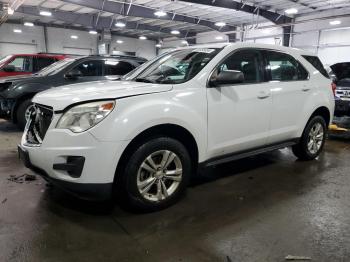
{"x":148,"y":168}
{"x":146,"y":185}
{"x":159,"y":190}
{"x":165,"y":190}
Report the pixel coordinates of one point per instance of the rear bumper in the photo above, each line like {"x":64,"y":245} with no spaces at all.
{"x":89,"y":191}
{"x":342,"y":108}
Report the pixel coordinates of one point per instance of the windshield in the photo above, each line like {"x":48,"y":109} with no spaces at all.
{"x":174,"y":67}
{"x":55,"y":67}
{"x":4,"y":59}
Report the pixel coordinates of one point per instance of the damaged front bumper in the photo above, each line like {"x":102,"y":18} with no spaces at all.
{"x":6,"y":106}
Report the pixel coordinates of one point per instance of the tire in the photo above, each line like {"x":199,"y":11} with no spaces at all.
{"x":21,"y":113}
{"x":303,"y":150}
{"x":140,"y":186}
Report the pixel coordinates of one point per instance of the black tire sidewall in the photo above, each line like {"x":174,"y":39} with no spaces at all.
{"x":135,"y":199}
{"x":304,"y":140}
{"x":21,"y":121}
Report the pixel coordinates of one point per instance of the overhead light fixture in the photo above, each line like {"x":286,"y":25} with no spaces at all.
{"x":335,"y":22}
{"x":28,"y":24}
{"x":10,"y":11}
{"x":74,"y":36}
{"x":120,"y":24}
{"x":160,"y":13}
{"x":142,"y":37}
{"x":219,"y":37}
{"x":18,"y":31}
{"x":291,"y":11}
{"x":93,"y":32}
{"x":158,"y":45}
{"x":220,"y":24}
{"x":175,"y":32}
{"x":45,"y":13}
{"x":120,"y":41}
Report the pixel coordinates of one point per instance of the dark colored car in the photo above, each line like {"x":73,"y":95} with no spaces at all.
{"x":16,"y":93}
{"x":26,"y":64}
{"x":341,"y":79}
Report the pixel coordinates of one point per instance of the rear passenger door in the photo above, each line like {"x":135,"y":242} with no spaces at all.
{"x":239,"y":114}
{"x":290,"y":88}
{"x":114,"y":69}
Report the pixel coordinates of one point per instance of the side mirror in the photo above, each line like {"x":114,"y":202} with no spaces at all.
{"x":74,"y":74}
{"x":227,"y":77}
{"x":9,"y":68}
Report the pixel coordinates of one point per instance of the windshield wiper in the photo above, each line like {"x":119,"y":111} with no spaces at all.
{"x":144,"y":80}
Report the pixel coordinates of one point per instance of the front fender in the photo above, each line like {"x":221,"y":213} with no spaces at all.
{"x":21,"y":90}
{"x":134,"y":115}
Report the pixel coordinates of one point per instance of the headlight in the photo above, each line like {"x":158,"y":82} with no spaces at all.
{"x":82,"y":117}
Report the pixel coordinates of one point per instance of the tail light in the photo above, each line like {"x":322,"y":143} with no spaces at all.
{"x":334,"y":87}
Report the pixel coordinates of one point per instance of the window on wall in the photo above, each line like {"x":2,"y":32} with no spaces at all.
{"x":284,"y":67}
{"x":115,"y":67}
{"x":22,"y":64}
{"x":90,"y":68}
{"x":246,"y":61}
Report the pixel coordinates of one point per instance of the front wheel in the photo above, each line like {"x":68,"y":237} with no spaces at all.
{"x":312,"y":140}
{"x":23,"y":113}
{"x":157,"y":174}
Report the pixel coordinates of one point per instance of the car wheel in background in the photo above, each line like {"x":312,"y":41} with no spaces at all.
{"x":23,"y":113}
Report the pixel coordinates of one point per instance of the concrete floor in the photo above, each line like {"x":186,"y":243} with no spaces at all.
{"x":258,"y":209}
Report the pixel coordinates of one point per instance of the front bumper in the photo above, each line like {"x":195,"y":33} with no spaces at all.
{"x":98,"y":170}
{"x":97,"y":192}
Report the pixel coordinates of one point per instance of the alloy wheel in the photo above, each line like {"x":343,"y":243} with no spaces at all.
{"x":159,"y":175}
{"x":315,"y":138}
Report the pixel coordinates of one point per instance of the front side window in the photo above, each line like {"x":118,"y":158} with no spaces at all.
{"x":284,"y":67}
{"x":177,"y":67}
{"x":56,"y":67}
{"x":22,"y":64}
{"x":90,"y":68}
{"x":245,"y":61}
{"x":115,"y":67}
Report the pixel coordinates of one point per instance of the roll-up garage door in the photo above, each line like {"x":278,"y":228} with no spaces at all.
{"x":12,"y":48}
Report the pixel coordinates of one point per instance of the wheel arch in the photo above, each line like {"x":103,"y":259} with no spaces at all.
{"x":169,"y":130}
{"x":323,"y":112}
{"x":18,"y":102}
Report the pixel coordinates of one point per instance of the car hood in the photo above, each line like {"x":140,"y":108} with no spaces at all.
{"x":17,"y":78}
{"x":341,"y":70}
{"x":61,"y":97}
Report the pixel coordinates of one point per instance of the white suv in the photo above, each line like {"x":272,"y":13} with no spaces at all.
{"x":192,"y":107}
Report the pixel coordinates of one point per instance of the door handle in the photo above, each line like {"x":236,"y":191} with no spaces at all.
{"x":263,"y":95}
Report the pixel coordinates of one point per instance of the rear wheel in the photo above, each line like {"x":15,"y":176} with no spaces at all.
{"x":312,"y":140}
{"x":156,"y":175}
{"x":23,"y":112}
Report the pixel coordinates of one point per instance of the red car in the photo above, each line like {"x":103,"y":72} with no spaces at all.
{"x":24,"y":64}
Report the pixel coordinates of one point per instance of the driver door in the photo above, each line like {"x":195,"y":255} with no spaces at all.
{"x":239,"y":114}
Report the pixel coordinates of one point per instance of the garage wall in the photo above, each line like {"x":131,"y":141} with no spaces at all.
{"x":31,"y":40}
{"x":272,"y":36}
{"x":60,"y":41}
{"x":142,"y":48}
{"x":330,"y":43}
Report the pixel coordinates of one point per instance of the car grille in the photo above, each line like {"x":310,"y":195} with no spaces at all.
{"x":38,"y":124}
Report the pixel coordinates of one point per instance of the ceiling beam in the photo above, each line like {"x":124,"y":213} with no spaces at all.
{"x":129,"y":9}
{"x":89,"y":21}
{"x":276,"y":18}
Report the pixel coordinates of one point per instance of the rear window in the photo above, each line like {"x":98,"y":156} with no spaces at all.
{"x":316,"y":62}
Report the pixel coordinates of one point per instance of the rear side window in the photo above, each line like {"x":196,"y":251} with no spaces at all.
{"x":316,"y":62}
{"x":22,"y":64}
{"x":284,"y":67}
{"x":246,"y":61}
{"x":42,"y":62}
{"x":115,"y":67}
